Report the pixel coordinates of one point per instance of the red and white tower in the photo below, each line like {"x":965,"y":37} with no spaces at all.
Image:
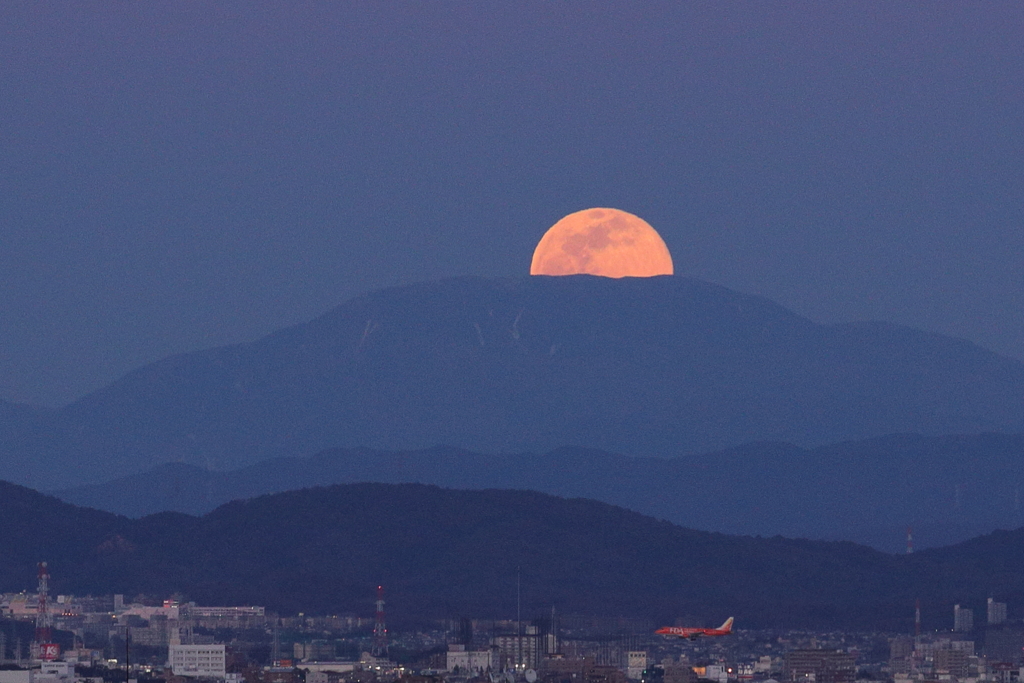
{"x":43,"y":647}
{"x":380,"y":631}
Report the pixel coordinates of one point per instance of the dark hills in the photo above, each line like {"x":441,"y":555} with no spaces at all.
{"x":948,"y":488}
{"x":37,"y":527}
{"x":447,"y":553}
{"x":646,"y":367}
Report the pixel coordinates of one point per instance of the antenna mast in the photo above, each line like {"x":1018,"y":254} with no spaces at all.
{"x":43,"y":648}
{"x":380,"y":631}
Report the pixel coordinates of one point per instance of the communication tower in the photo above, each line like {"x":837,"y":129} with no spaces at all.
{"x":43,"y":647}
{"x":910,"y":540}
{"x":380,"y":631}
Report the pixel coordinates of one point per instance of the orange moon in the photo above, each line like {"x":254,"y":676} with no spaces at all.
{"x":606,"y":242}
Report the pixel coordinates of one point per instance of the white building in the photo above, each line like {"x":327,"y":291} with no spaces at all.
{"x":50,"y":672}
{"x":55,"y":672}
{"x":17,"y":676}
{"x":244,"y":612}
{"x":197,"y":661}
{"x":636,"y":662}
{"x":996,"y":612}
{"x":716,"y":672}
{"x":470,"y":662}
{"x":169,"y":610}
{"x":963,"y":619}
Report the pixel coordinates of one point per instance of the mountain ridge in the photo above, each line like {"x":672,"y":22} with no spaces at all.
{"x":443,"y":552}
{"x":644,"y":366}
{"x":947,"y":488}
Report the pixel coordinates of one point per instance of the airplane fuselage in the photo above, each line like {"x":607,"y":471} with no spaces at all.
{"x":693,"y":633}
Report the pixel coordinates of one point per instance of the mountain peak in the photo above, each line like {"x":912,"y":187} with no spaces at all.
{"x":642,"y":366}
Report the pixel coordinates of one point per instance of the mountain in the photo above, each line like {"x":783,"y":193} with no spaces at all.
{"x":947,"y":488}
{"x":646,"y":367}
{"x":37,"y":527}
{"x":446,"y":553}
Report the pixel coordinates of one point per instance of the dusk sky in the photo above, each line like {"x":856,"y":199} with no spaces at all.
{"x":180,"y":175}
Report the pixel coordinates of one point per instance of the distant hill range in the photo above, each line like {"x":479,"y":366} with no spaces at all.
{"x":645,"y":367}
{"x":445,"y":553}
{"x":947,"y":488}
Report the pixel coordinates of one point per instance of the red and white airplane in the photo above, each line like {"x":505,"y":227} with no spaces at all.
{"x":695,"y":633}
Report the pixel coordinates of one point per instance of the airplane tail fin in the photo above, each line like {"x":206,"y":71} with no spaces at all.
{"x":727,"y":626}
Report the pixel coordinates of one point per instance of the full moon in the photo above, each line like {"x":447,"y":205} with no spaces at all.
{"x":606,"y":242}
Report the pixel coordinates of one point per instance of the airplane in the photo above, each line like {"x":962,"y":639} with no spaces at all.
{"x":695,"y":633}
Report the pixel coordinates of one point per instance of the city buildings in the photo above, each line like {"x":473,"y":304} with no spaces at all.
{"x":519,"y":651}
{"x":470,"y":662}
{"x":963,"y":619}
{"x":197,"y":661}
{"x":177,"y":641}
{"x":820,"y":666}
{"x":636,"y":662}
{"x":996,"y":612}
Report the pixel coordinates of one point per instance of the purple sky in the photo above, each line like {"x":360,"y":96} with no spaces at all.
{"x":178,"y":175}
